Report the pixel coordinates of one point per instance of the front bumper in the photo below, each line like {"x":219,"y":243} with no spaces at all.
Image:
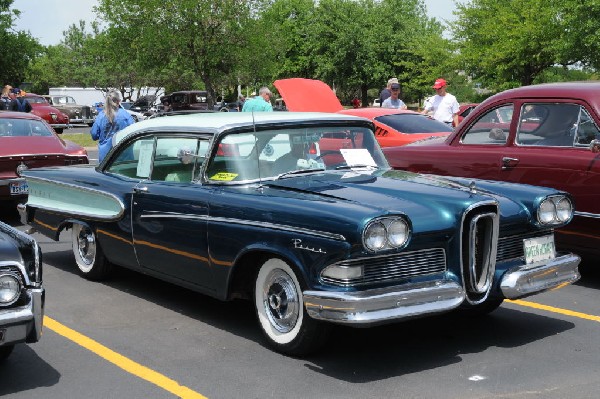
{"x":381,"y":305}
{"x":81,"y":120}
{"x":23,"y":323}
{"x":522,"y":281}
{"x":60,"y":125}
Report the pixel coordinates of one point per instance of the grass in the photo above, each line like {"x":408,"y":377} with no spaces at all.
{"x":83,"y":139}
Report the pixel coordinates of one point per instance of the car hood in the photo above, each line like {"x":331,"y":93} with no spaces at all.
{"x":396,"y":191}
{"x":307,"y":95}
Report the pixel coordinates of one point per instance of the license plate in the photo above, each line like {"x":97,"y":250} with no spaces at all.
{"x":19,"y":188}
{"x":539,"y":248}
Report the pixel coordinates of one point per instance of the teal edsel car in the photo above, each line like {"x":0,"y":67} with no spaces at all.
{"x":22,"y":295}
{"x":301,"y":214}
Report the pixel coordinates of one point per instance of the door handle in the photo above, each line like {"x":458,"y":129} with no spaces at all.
{"x":140,"y":189}
{"x":508,"y":162}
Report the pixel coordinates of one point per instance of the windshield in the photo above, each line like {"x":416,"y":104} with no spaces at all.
{"x":273,"y":154}
{"x":413,"y":123}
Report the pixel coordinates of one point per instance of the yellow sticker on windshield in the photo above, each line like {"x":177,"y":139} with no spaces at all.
{"x":224,"y":176}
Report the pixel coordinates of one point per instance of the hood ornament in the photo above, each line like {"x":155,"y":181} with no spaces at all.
{"x":472,"y":188}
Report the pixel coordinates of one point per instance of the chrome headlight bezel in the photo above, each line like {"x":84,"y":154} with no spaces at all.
{"x":10,"y":288}
{"x":390,"y":232}
{"x":555,"y":210}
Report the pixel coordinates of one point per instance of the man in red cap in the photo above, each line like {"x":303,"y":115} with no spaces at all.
{"x":443,"y":106}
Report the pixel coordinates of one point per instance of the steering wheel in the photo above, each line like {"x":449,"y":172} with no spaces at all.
{"x":324,"y":153}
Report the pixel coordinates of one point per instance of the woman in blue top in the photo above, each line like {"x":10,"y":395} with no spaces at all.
{"x":109,"y":121}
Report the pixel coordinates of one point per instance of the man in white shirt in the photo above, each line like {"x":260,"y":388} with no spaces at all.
{"x":443,"y":106}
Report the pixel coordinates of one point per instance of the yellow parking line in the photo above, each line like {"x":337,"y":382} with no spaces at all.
{"x":565,"y":312}
{"x":121,"y":361}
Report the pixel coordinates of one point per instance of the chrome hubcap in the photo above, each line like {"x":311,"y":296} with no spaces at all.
{"x":86,"y":245}
{"x":281,"y":301}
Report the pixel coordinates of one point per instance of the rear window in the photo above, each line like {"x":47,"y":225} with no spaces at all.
{"x":23,"y":127}
{"x":413,"y":123}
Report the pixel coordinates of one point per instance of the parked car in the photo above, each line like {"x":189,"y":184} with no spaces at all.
{"x":314,"y":232}
{"x":393,"y":126}
{"x":22,"y":294}
{"x":188,"y":100}
{"x":545,"y":135}
{"x":40,"y":107}
{"x":27,"y":141}
{"x":77,"y":113}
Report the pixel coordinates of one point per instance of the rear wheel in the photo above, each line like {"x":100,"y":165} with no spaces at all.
{"x":280,"y":308}
{"x":88,"y":254}
{"x":5,"y":351}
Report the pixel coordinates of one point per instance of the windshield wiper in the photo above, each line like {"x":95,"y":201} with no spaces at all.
{"x":341,"y":167}
{"x":299,"y":172}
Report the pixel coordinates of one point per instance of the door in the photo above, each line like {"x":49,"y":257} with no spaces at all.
{"x":169,"y":211}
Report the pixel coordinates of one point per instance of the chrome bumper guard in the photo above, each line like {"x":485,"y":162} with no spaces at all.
{"x":523,"y":281}
{"x":378,"y":306}
{"x":24,"y":324}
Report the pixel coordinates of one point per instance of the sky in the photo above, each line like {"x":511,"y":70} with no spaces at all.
{"x":46,"y":20}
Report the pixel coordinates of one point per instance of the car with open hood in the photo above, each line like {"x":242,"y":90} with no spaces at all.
{"x":546,"y":135}
{"x":301,"y":214}
{"x":393,"y":127}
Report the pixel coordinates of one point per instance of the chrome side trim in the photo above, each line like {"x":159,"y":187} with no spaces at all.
{"x":587,"y":215}
{"x":381,"y":305}
{"x":252,"y":223}
{"x":522,"y":281}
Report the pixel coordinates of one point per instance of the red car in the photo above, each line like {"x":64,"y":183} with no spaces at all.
{"x":546,"y":135}
{"x":27,"y":141}
{"x":393,"y":127}
{"x":40,"y":107}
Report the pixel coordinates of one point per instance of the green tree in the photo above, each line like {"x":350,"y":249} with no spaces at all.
{"x":19,"y":47}
{"x":186,"y":41}
{"x":510,"y":43}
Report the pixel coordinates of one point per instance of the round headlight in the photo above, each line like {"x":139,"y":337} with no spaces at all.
{"x":375,"y":236}
{"x":547,"y":211}
{"x":397,"y":233}
{"x":564,"y":210}
{"x":10,"y":288}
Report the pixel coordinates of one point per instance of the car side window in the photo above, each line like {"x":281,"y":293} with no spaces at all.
{"x":490,"y":128}
{"x":134,"y":160}
{"x":548,"y":124}
{"x":586,"y":130}
{"x":178,"y":159}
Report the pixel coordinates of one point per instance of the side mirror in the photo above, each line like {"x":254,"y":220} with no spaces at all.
{"x":595,"y":146}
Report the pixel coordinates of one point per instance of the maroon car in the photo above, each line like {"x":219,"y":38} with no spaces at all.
{"x":40,"y":107}
{"x":546,"y":135}
{"x":27,"y":141}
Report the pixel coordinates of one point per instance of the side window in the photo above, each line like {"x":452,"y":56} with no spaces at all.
{"x":135,"y":160}
{"x":235,"y":160}
{"x":548,"y":124}
{"x":491,"y":128}
{"x":586,"y":129}
{"x":178,"y":159}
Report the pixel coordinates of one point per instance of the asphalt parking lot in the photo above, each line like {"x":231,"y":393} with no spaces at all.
{"x":137,"y":337}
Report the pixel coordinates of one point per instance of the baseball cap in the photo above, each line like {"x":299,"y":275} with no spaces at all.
{"x":439,"y":83}
{"x":395,"y":86}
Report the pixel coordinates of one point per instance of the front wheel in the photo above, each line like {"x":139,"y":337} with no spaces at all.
{"x":280,"y":309}
{"x":5,"y":351}
{"x":487,"y":306}
{"x":89,"y":257}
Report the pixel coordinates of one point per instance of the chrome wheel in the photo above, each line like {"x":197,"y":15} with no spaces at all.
{"x":88,"y":254}
{"x":280,"y":300}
